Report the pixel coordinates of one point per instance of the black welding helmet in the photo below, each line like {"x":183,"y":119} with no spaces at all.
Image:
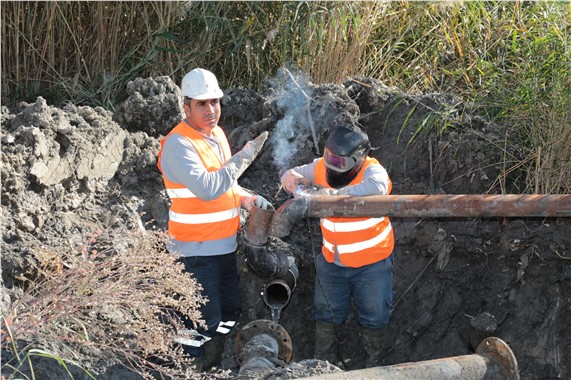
{"x":344,"y":155}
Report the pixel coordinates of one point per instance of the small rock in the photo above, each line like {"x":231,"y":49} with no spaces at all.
{"x":481,"y":327}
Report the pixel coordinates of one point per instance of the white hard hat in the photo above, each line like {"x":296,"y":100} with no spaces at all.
{"x":200,"y":84}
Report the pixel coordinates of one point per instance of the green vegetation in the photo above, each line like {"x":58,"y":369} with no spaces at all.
{"x":511,"y":59}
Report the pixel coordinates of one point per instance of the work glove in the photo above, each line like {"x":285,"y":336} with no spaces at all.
{"x":256,"y":200}
{"x":240,"y":161}
{"x":291,"y":180}
{"x":263,"y":203}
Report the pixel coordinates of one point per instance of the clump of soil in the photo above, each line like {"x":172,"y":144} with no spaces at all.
{"x":64,"y":169}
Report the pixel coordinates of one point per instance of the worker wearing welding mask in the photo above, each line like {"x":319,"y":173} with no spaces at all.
{"x":356,"y":261}
{"x":200,"y":176}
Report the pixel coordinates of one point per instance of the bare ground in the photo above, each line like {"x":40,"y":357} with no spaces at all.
{"x":65,"y":169}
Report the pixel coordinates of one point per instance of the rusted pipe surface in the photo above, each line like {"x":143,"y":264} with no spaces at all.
{"x":493,"y":361}
{"x":439,"y":206}
{"x":420,"y":206}
{"x":498,"y":352}
{"x":258,"y":225}
{"x":288,"y":213}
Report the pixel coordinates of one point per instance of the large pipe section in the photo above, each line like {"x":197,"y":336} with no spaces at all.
{"x":266,"y":263}
{"x":419,"y":206}
{"x":261,"y":345}
{"x":493,"y":360}
{"x":280,"y":269}
{"x":277,"y":291}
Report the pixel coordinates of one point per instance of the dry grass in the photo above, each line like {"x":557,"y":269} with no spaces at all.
{"x":334,"y":38}
{"x":510,"y":58}
{"x":114,"y":300}
{"x":78,"y":48}
{"x":550,"y":170}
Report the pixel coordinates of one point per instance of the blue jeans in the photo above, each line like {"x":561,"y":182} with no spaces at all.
{"x":219,"y":278}
{"x":370,"y":287}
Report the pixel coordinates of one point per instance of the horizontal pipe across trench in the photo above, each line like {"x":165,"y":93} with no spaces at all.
{"x":461,"y":205}
{"x":419,"y":206}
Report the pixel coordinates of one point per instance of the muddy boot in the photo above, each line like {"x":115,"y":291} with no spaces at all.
{"x":213,"y":352}
{"x":195,"y":364}
{"x":372,"y":340}
{"x":325,"y":342}
{"x":190,"y":362}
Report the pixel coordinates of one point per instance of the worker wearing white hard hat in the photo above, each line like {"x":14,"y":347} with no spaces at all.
{"x":201,"y":84}
{"x":200,"y":176}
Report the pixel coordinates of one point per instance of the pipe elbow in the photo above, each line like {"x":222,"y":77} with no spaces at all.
{"x":286,"y":216}
{"x":266,"y":263}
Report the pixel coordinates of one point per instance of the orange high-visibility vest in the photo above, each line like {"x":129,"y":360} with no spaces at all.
{"x":192,"y":219}
{"x":358,"y":241}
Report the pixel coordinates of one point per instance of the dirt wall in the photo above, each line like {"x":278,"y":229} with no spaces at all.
{"x":66,"y":169}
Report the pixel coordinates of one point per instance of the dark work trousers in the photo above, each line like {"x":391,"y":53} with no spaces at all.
{"x":219,"y":278}
{"x":370,"y":287}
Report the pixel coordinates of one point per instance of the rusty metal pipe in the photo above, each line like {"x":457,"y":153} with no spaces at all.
{"x":258,"y":224}
{"x":419,"y":206}
{"x":277,"y":292}
{"x":260,"y":345}
{"x":494,"y":360}
{"x":264,"y":262}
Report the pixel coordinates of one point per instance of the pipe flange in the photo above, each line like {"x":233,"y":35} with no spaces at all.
{"x":264,"y":326}
{"x":500,"y":353}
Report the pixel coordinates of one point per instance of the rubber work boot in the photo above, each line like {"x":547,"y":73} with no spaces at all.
{"x":325,"y":342}
{"x":213,"y":352}
{"x":191,"y":363}
{"x":372,"y":340}
{"x":196,"y":364}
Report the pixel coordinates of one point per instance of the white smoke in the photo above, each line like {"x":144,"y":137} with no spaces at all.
{"x":296,"y":125}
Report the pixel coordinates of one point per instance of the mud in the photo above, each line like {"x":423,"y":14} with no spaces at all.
{"x":66,"y":169}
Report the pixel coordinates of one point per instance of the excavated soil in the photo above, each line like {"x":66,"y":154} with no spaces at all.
{"x":457,"y":280}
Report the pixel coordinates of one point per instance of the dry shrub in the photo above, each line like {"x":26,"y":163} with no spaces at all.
{"x":117,"y":299}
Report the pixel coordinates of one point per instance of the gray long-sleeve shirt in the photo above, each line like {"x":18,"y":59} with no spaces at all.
{"x":181,"y":163}
{"x":375,"y":180}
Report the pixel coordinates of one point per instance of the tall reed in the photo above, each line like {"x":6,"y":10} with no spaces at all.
{"x":511,"y":59}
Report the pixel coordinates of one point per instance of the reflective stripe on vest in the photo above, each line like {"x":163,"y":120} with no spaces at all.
{"x":191,"y":338}
{"x":350,"y":226}
{"x":359,"y":246}
{"x":180,"y":193}
{"x":224,"y":327}
{"x":195,"y":339}
{"x":357,"y":241}
{"x":212,"y":217}
{"x":192,"y":219}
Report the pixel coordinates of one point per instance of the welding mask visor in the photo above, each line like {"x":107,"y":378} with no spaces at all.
{"x":338,"y":163}
{"x":344,"y":155}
